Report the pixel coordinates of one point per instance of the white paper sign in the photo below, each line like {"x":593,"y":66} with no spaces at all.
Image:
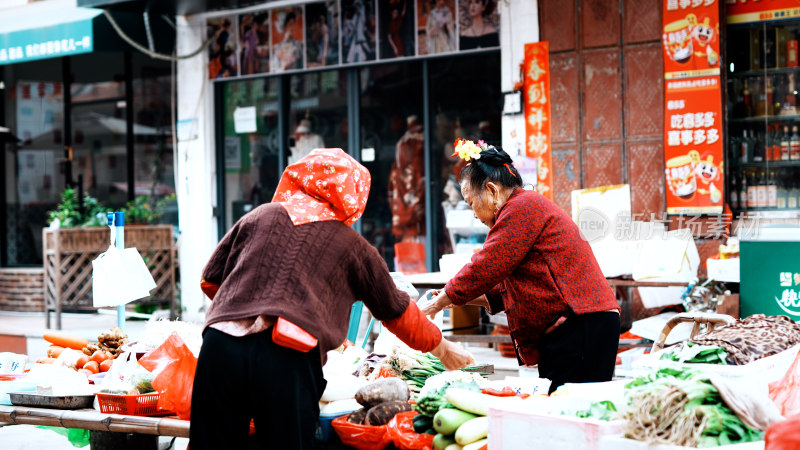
{"x":244,"y":119}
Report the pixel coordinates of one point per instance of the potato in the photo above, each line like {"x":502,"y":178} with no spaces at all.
{"x":357,"y":416}
{"x":384,"y":390}
{"x":383,"y":413}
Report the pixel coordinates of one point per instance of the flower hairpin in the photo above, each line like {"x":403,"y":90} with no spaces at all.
{"x":466,"y":149}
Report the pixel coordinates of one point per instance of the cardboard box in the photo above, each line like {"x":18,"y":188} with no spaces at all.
{"x":619,"y":442}
{"x":516,"y":429}
{"x":672,"y":257}
{"x":728,"y":304}
{"x":465,"y":317}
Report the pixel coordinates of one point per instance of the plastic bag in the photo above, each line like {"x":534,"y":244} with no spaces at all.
{"x":363,"y":437}
{"x":173,"y":365}
{"x":119,"y":276}
{"x":785,"y":393}
{"x":784,"y":435}
{"x":401,"y":431}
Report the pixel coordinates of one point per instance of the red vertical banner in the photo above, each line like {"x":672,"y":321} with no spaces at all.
{"x":536,"y":90}
{"x":693,"y":146}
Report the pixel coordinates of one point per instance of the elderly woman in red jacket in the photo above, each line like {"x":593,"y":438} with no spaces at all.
{"x":282,"y":281}
{"x":535,"y":266}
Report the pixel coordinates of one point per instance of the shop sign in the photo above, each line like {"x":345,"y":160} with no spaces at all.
{"x":750,"y":11}
{"x":691,"y":38}
{"x":58,"y":40}
{"x":693,"y":150}
{"x":789,"y":293}
{"x":346,"y":32}
{"x":536,"y":90}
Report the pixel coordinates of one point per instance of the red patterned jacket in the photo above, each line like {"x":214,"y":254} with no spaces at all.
{"x":536,"y":267}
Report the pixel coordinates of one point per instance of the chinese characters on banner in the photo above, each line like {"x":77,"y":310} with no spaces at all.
{"x":693,"y":148}
{"x":789,"y":300}
{"x":536,"y":90}
{"x":748,"y":11}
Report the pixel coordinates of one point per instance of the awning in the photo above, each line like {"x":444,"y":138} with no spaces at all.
{"x":51,"y":29}
{"x":27,"y":34}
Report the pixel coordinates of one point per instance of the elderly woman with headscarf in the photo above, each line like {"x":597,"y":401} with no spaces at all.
{"x":282,"y":281}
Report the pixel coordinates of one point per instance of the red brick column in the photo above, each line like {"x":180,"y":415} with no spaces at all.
{"x":22,"y":289}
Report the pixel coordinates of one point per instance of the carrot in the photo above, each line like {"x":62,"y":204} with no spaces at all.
{"x":99,"y":356}
{"x":66,"y":340}
{"x":92,"y":366}
{"x":54,"y":351}
{"x":105,"y":366}
{"x":81,"y":361}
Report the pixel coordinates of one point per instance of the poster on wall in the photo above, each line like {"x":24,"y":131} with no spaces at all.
{"x":222,"y":60}
{"x":436,"y":26}
{"x":749,"y":11}
{"x":322,"y":34}
{"x":536,"y":88}
{"x":358,"y":31}
{"x":254,"y":40}
{"x":396,"y":28}
{"x":691,"y":38}
{"x":693,"y":147}
{"x":287,"y":39}
{"x":479,"y":24}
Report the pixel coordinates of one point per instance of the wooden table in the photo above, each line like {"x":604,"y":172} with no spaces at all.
{"x":90,"y":419}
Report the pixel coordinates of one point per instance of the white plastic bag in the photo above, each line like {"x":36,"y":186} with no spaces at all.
{"x":119,"y":276}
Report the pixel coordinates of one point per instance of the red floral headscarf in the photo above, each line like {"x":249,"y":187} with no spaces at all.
{"x":327,"y":184}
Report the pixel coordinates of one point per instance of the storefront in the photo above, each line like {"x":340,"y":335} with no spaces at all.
{"x":84,"y":110}
{"x":377,"y":79}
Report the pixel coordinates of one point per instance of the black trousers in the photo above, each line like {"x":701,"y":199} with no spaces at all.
{"x":239,"y":378}
{"x":581,"y":350}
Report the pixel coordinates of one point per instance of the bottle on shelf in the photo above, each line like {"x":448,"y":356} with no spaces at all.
{"x":734,"y":192}
{"x":752,"y":193}
{"x":769,"y":97}
{"x":772,"y":190}
{"x":743,"y":190}
{"x":759,"y":147}
{"x":785,"y":145}
{"x":781,"y":190}
{"x":790,"y":101}
{"x":773,"y":142}
{"x":794,"y":144}
{"x":748,"y":99}
{"x":745,"y":147}
{"x":761,"y":190}
{"x":791,"y":52}
{"x":791,"y":193}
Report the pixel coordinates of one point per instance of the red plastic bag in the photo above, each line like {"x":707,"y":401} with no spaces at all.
{"x":363,"y":437}
{"x":783,"y":435}
{"x":785,"y":393}
{"x":173,"y":365}
{"x":401,"y":431}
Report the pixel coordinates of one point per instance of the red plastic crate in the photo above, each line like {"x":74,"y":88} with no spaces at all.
{"x":132,"y":405}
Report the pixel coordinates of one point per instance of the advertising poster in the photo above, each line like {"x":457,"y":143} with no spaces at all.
{"x":749,"y":11}
{"x":396,"y":28}
{"x":536,"y":90}
{"x":693,"y":150}
{"x":691,"y":38}
{"x":436,"y":26}
{"x":479,"y":24}
{"x":222,"y":61}
{"x":287,"y":39}
{"x":693,"y":147}
{"x":358,"y":31}
{"x":322,"y":34}
{"x":254,"y":40}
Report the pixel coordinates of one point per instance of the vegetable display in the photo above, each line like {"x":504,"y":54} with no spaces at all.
{"x":414,"y":367}
{"x":696,"y":353}
{"x":680,"y":407}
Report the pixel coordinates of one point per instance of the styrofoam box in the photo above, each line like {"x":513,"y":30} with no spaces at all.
{"x":514,"y":428}
{"x":618,"y":442}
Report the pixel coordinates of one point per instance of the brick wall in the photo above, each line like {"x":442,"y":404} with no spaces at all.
{"x":22,"y":289}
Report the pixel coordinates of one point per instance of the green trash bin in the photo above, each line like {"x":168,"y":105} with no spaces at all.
{"x":770,"y":273}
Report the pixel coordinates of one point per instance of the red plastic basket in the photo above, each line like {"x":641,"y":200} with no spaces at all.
{"x":132,"y":405}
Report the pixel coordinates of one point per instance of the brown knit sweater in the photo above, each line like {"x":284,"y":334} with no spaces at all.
{"x":310,"y":274}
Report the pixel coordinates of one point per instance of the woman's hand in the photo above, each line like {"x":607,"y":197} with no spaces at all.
{"x":453,"y":356}
{"x":438,"y":302}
